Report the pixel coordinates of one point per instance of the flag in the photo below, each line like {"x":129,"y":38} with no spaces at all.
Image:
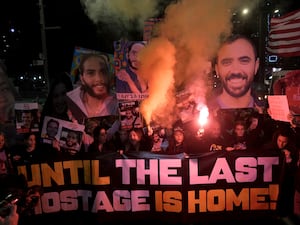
{"x":284,"y":35}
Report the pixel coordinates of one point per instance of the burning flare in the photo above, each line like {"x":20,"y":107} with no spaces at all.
{"x":202,"y":120}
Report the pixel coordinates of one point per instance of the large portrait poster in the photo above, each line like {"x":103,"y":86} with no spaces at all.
{"x":78,"y":52}
{"x":129,"y":85}
{"x":27,"y":117}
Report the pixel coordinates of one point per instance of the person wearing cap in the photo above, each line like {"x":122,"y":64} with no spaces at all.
{"x":177,"y":143}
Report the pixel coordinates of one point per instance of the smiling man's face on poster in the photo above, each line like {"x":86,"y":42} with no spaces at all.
{"x":236,"y":66}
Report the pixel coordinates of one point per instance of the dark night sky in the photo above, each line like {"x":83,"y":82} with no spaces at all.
{"x":66,"y":27}
{"x":72,"y":27}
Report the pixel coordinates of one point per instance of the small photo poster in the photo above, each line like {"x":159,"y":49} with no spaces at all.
{"x":186,"y":106}
{"x":51,"y":129}
{"x":26,"y":117}
{"x":71,"y":138}
{"x":130,"y":115}
{"x":68,"y":134}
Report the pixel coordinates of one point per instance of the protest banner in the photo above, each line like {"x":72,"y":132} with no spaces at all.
{"x":142,"y":186}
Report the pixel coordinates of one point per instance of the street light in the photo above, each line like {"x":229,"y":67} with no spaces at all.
{"x":245,"y":11}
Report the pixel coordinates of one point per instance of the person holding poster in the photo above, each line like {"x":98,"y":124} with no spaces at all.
{"x":236,"y":65}
{"x":132,"y":119}
{"x":289,"y":85}
{"x":93,"y":98}
{"x":283,"y":143}
{"x":138,"y":141}
{"x":72,"y":142}
{"x":238,"y":140}
{"x":100,"y":143}
{"x":56,"y":104}
{"x":178,"y":142}
{"x":29,"y":151}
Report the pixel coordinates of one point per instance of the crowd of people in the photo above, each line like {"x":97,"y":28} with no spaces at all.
{"x":251,"y":129}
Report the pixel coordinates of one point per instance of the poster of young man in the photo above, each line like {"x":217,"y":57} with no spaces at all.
{"x":130,"y":115}
{"x":71,"y":139}
{"x":236,"y":75}
{"x":78,"y":52}
{"x":129,"y":85}
{"x":62,"y":131}
{"x":27,"y":117}
{"x":50,"y":130}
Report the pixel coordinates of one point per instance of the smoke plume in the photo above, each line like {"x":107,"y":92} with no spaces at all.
{"x":120,"y":13}
{"x":190,"y":30}
{"x":179,"y":56}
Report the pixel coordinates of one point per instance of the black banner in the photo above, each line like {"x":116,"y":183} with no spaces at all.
{"x":213,"y":186}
